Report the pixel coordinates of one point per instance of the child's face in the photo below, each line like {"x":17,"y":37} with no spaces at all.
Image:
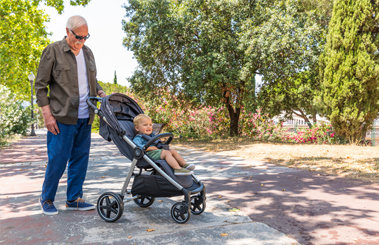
{"x":145,"y":126}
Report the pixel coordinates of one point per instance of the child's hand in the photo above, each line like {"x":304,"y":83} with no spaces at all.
{"x":152,"y":148}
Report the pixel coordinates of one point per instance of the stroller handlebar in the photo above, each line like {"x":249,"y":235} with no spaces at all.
{"x":156,"y":137}
{"x":92,"y":106}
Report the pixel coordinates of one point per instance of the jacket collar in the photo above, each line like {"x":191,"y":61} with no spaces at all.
{"x":66,"y":48}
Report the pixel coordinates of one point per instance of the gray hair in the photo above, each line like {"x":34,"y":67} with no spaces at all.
{"x":75,"y":22}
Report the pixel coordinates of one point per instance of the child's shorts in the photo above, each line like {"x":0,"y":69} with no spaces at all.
{"x":155,"y":155}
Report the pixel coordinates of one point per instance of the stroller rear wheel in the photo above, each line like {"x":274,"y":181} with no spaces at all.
{"x":180,"y":212}
{"x":144,"y":201}
{"x":110,"y":207}
{"x":197,"y":204}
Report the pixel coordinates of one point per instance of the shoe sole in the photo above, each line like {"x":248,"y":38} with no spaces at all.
{"x":184,"y":173}
{"x":47,"y":213}
{"x":80,"y":209}
{"x":191,"y":167}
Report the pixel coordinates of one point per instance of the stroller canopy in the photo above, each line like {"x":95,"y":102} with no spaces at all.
{"x":119,"y":111}
{"x":117,"y":107}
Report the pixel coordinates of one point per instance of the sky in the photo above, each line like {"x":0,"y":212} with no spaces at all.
{"x":105,"y":28}
{"x":104,"y":24}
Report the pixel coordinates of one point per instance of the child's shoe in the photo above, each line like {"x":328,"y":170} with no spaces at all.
{"x":182,"y":171}
{"x":189,"y":166}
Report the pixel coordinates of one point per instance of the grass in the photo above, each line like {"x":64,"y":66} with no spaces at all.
{"x":351,"y":161}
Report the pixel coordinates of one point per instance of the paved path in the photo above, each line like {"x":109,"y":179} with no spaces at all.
{"x":21,"y":221}
{"x":277,"y":205}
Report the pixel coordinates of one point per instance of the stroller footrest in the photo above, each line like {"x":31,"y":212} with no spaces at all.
{"x":195,"y":188}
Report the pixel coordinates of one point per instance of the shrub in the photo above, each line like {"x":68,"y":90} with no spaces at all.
{"x":14,"y":119}
{"x":320,"y":133}
{"x":183,"y":119}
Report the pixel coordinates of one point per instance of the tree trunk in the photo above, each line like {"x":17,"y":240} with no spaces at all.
{"x":234,"y":114}
{"x":314,"y":116}
{"x":304,"y":116}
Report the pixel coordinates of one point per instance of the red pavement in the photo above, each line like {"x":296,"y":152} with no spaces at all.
{"x":28,"y":149}
{"x":307,"y":206}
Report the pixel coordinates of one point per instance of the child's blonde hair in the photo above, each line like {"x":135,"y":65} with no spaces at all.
{"x":138,"y":118}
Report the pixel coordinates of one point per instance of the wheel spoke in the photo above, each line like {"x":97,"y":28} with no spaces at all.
{"x":183,"y":216}
{"x":113,"y":204}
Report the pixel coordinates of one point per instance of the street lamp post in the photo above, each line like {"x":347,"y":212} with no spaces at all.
{"x":31,"y":79}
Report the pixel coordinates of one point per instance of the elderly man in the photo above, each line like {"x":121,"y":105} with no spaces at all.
{"x":67,"y":71}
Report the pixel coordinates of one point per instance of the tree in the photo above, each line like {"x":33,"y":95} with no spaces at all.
{"x":110,"y":88}
{"x":294,"y":96}
{"x":210,"y":51}
{"x":350,"y":70}
{"x":23,"y":36}
{"x":115,"y":78}
{"x":297,"y":95}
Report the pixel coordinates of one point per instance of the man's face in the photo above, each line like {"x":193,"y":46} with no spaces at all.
{"x":76,"y":44}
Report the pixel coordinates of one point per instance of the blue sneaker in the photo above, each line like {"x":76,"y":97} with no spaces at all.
{"x":48,"y":207}
{"x":79,"y":204}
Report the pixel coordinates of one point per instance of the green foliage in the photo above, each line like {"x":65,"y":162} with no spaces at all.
{"x":321,"y":133}
{"x":14,"y":119}
{"x":350,"y":70}
{"x":23,"y":37}
{"x":203,"y":121}
{"x":294,"y":96}
{"x":207,"y":52}
{"x":294,"y":92}
{"x":115,"y":78}
{"x":108,"y":88}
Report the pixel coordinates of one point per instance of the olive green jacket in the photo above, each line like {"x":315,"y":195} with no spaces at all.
{"x":58,"y":75}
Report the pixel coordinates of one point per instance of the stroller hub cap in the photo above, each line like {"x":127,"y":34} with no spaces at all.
{"x":138,"y":153}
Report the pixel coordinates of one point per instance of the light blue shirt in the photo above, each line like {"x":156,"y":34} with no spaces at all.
{"x":139,"y":141}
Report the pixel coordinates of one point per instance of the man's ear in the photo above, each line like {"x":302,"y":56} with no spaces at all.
{"x":67,"y":31}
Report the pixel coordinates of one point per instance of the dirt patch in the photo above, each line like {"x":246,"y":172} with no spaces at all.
{"x":357,"y":162}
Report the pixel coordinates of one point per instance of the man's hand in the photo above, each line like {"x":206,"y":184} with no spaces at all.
{"x":101,"y":93}
{"x":50,"y":122}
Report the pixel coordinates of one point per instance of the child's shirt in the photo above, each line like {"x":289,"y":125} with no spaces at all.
{"x":139,"y":141}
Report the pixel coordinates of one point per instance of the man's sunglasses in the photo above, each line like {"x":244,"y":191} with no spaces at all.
{"x":80,"y":37}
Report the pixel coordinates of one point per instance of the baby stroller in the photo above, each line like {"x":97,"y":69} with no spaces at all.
{"x":151,"y":178}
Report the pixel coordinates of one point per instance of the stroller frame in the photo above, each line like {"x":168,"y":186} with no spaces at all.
{"x":110,"y":206}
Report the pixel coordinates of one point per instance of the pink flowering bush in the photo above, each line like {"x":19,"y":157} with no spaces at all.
{"x":183,"y":119}
{"x":320,"y":133}
{"x":259,"y":127}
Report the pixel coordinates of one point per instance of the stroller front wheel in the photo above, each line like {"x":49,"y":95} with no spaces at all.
{"x":144,"y":201}
{"x":197,"y":204}
{"x":180,"y":212}
{"x":110,"y":207}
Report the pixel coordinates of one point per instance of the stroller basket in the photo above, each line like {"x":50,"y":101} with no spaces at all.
{"x":154,"y":178}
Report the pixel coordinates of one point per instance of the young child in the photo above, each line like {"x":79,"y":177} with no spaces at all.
{"x":144,"y":125}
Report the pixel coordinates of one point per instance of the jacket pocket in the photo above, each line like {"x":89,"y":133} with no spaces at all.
{"x":62,"y":74}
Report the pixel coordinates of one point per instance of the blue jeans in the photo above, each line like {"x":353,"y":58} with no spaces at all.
{"x":71,"y":145}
